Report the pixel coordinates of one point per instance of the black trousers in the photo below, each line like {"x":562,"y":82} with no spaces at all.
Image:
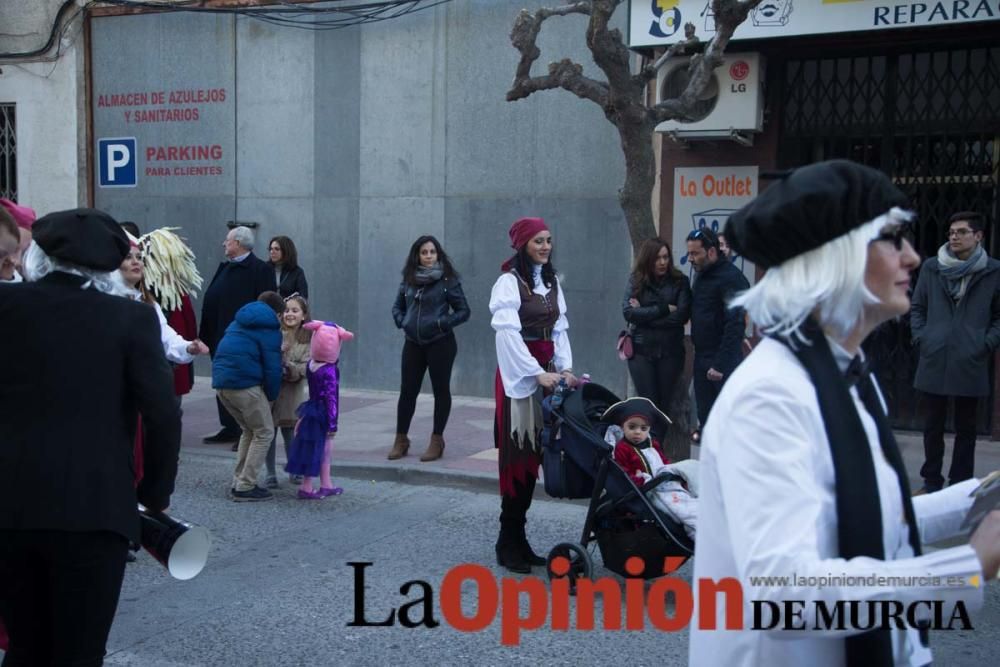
{"x":964,"y":456}
{"x":437,"y":357}
{"x":656,"y":378}
{"x":61,"y":592}
{"x":705,"y":390}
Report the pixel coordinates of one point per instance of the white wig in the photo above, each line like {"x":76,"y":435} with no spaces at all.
{"x":243,"y":236}
{"x":829,"y":279}
{"x":36,"y":265}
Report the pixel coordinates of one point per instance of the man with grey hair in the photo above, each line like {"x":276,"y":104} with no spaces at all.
{"x":238,"y":281}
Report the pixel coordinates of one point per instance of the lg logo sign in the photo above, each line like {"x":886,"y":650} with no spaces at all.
{"x":116,"y":159}
{"x":738,"y":71}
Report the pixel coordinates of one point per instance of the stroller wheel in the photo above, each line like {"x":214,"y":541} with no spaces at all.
{"x":580,"y":564}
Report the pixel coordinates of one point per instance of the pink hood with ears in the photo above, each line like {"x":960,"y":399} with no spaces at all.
{"x":326,"y":340}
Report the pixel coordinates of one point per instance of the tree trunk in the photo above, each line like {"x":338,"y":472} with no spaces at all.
{"x":636,"y":195}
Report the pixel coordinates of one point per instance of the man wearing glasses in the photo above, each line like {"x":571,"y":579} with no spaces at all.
{"x":955,"y":321}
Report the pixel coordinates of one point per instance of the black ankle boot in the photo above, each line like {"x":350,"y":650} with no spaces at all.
{"x":508,"y":550}
{"x":527,"y":553}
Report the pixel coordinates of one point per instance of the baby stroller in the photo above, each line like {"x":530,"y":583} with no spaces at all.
{"x":578,"y":463}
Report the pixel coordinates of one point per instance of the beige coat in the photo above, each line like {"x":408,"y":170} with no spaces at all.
{"x":294,"y":388}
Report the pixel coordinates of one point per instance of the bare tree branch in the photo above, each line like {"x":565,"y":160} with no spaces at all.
{"x":567,"y":75}
{"x":611,"y":54}
{"x":729,"y":14}
{"x":563,"y":74}
{"x":690,"y":40}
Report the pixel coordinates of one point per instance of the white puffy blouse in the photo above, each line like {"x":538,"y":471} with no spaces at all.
{"x":517,"y":367}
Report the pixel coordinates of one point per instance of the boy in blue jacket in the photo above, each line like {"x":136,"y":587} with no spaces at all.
{"x":246,"y":374}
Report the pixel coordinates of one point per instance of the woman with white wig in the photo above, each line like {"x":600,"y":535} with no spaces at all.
{"x":801,"y":477}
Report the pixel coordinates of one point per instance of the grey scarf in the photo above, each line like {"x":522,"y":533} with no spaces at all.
{"x":426,"y":276}
{"x":957,"y":272}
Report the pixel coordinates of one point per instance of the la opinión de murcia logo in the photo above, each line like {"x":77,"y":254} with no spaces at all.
{"x":548,"y":605}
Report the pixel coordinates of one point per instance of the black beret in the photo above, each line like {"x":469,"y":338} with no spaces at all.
{"x":809,"y":207}
{"x":82,"y":236}
{"x":642,"y":407}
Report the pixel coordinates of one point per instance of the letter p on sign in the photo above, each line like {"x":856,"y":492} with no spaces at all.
{"x":116,"y":162}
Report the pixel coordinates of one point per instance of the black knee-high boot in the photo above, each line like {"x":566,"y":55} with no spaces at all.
{"x":513,"y":550}
{"x":512,"y":517}
{"x":527,"y":553}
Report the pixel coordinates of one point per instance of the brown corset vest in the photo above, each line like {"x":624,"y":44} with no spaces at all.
{"x":538,"y":313}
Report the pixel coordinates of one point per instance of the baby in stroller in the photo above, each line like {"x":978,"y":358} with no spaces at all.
{"x":640,"y":456}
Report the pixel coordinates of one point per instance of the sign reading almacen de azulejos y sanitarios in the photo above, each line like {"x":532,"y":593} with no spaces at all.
{"x":656,"y":22}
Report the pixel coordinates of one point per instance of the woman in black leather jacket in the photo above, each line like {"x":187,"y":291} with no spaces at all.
{"x":429,"y":305}
{"x":657,"y":305}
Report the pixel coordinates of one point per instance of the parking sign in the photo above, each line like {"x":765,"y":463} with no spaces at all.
{"x":116,"y":162}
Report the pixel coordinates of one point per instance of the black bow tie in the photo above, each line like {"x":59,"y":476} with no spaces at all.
{"x":856,"y":371}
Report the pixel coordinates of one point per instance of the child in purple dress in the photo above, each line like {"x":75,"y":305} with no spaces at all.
{"x":309,"y":454}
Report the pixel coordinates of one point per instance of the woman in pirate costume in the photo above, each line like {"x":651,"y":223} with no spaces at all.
{"x":533,"y":354}
{"x":800,"y":474}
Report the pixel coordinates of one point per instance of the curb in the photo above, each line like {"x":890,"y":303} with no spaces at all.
{"x":407,"y":474}
{"x":401,"y":473}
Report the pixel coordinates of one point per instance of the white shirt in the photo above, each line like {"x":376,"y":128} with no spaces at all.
{"x":517,"y":367}
{"x":768,"y":508}
{"x":174,"y":346}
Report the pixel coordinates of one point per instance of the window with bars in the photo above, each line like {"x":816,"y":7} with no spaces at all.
{"x":930,"y":118}
{"x":8,"y":153}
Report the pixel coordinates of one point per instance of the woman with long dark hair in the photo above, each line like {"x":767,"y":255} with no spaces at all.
{"x":283,"y":258}
{"x":533,"y":350}
{"x":657,"y":305}
{"x":429,"y":305}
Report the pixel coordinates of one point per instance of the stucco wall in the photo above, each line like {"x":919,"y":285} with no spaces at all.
{"x":49,"y":126}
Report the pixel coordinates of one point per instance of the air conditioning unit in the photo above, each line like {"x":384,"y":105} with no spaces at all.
{"x":733,"y":101}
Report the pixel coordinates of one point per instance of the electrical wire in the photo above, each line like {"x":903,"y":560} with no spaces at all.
{"x":283,"y":13}
{"x":54,"y":34}
{"x":287,"y":13}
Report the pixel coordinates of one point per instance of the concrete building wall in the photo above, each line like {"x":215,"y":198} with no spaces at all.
{"x":354,"y":142}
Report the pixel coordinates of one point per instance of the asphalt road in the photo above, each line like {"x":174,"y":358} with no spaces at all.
{"x":278,"y":590}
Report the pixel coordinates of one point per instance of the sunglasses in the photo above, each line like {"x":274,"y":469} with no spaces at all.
{"x":897,"y":236}
{"x":705,"y":235}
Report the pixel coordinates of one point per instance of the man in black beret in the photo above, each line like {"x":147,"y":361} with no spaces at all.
{"x":84,"y":363}
{"x":716,"y":331}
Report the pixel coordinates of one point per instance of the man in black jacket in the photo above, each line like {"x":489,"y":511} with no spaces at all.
{"x":78,"y":366}
{"x":238,"y":281}
{"x":716,"y":331}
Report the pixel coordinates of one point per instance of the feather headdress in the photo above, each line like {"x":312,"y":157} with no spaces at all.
{"x":169,"y":267}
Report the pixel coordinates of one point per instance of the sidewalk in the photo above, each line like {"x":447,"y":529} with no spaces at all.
{"x":368,"y":424}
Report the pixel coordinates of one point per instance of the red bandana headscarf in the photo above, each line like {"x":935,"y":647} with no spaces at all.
{"x":521,"y":232}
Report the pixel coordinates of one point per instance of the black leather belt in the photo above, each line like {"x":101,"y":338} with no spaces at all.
{"x":530,"y":334}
